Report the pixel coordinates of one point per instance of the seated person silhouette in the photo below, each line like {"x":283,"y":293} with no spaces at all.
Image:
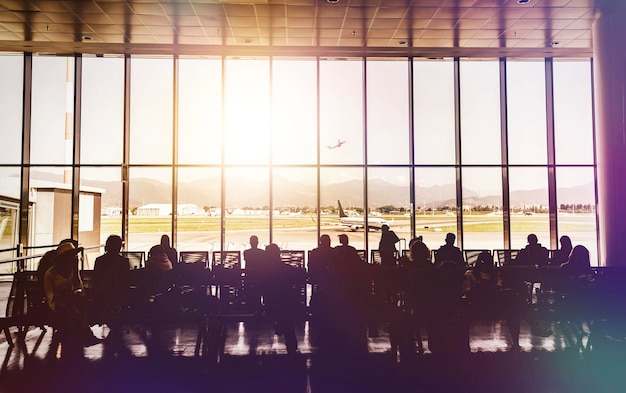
{"x":111,"y":290}
{"x":483,"y":289}
{"x":280,"y":295}
{"x":171,"y":252}
{"x":449,"y":252}
{"x":65,"y":296}
{"x":561,"y":255}
{"x":534,"y":254}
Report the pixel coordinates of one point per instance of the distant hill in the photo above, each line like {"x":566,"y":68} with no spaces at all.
{"x":206,"y":192}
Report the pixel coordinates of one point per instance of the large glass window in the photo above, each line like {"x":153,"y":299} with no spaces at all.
{"x":528,"y":198}
{"x":11,"y":79}
{"x":102,"y":117}
{"x":480,"y":112}
{"x":482,"y":208}
{"x":294,"y":111}
{"x":151,"y":106}
{"x":200,"y":111}
{"x":341,"y":112}
{"x":435,"y":204}
{"x":387,"y":112}
{"x":52,"y":117}
{"x":434,"y":117}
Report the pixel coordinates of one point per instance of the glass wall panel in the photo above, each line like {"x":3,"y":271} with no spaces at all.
{"x":200,"y":111}
{"x":482,"y":208}
{"x":480,"y":112}
{"x":247,"y":112}
{"x":528,"y":197}
{"x":342,"y":185}
{"x":247,"y":206}
{"x":150,"y":203}
{"x":151,"y":110}
{"x":388,"y":197}
{"x":526,"y":111}
{"x":294,"y":111}
{"x":573,"y":120}
{"x":52,"y":204}
{"x":199,"y":208}
{"x":433,"y":98}
{"x":341,"y":112}
{"x":52,"y":118}
{"x":9,"y":214}
{"x":387,"y":112}
{"x":11,"y":91}
{"x":435,"y":204}
{"x":575,"y":199}
{"x":100,"y":207}
{"x":102,"y":117}
{"x":295,"y":213}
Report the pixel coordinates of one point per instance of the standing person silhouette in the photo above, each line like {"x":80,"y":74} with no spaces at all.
{"x":387,"y":246}
{"x":254,"y":258}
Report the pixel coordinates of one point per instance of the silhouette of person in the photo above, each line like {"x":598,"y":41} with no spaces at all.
{"x":254,"y":258}
{"x":449,"y":252}
{"x":280,"y":295}
{"x":578,"y":263}
{"x":483,"y":288}
{"x":65,"y":297}
{"x":534,"y":254}
{"x":387,"y":246}
{"x":111,"y":286}
{"x":419,"y":255}
{"x":171,"y":252}
{"x":322,"y":269}
{"x":561,"y":255}
{"x":158,"y":259}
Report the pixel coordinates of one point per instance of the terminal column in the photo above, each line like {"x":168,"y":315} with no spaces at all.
{"x":609,"y":43}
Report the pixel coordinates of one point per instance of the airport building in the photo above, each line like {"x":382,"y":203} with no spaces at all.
{"x":472,"y":107}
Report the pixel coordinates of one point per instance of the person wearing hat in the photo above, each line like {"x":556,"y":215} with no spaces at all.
{"x":65,"y":297}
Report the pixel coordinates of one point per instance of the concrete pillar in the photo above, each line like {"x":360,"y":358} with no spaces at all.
{"x":609,"y":47}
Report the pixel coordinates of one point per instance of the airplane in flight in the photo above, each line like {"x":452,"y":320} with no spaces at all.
{"x":356,"y":223}
{"x":339,"y":143}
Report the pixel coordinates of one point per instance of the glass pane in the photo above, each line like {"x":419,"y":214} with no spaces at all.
{"x":345,"y":186}
{"x":482,"y":207}
{"x":11,"y":79}
{"x":102,"y":125}
{"x":573,"y":121}
{"x":150,"y":205}
{"x":247,"y":112}
{"x":435,"y":204}
{"x":294,"y":111}
{"x":151,"y":111}
{"x":200,"y":111}
{"x":389,"y":203}
{"x":575,"y":199}
{"x":528,"y":193}
{"x":295,"y":214}
{"x":526,"y":106}
{"x":387,"y":112}
{"x":247,"y":207}
{"x":433,"y":97}
{"x":9,"y":214}
{"x":480,"y":112}
{"x":52,"y":196}
{"x":341,"y":112}
{"x":199,"y":204}
{"x":52,"y":118}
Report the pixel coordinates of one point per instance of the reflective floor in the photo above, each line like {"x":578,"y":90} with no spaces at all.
{"x":256,"y":360}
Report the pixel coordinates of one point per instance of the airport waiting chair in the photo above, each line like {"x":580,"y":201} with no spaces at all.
{"x":194,"y":257}
{"x":293,"y":258}
{"x":227,"y":274}
{"x":136,"y":258}
{"x":471,"y":256}
{"x":504,"y":257}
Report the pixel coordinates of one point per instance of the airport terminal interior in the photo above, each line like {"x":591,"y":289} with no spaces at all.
{"x":207,"y":123}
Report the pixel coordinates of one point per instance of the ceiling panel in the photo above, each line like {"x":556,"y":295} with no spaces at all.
{"x":376,"y":24}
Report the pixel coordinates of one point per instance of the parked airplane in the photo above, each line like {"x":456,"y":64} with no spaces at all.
{"x":339,"y":143}
{"x":356,"y":223}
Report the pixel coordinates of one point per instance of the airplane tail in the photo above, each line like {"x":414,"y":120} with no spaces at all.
{"x":341,"y":212}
